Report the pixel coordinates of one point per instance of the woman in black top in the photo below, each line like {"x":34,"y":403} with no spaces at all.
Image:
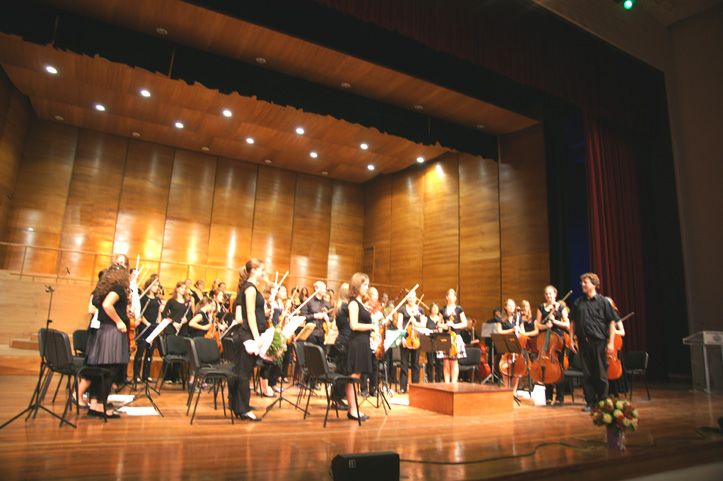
{"x":178,"y":309}
{"x":251,"y":314}
{"x":454,"y":321}
{"x":109,"y":347}
{"x":406,"y":314}
{"x":560,"y":324}
{"x":358,"y":359}
{"x":151,"y":306}
{"x":201,"y":323}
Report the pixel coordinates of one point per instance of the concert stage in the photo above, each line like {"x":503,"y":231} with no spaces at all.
{"x":528,"y":443}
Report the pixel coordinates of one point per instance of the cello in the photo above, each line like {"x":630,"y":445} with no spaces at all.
{"x":615,"y":366}
{"x":514,"y":365}
{"x":484,"y":367}
{"x":546,"y":368}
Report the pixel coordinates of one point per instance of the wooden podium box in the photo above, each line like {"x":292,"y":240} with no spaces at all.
{"x":461,"y":398}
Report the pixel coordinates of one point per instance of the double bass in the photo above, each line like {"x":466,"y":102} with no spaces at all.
{"x":546,"y":368}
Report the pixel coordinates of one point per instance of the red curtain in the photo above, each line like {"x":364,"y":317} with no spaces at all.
{"x":615,"y":235}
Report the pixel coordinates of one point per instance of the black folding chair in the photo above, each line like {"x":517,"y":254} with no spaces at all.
{"x":471,"y":362}
{"x":636,"y":364}
{"x":573,"y":371}
{"x":59,"y":356}
{"x":319,"y":371}
{"x":173,"y":352}
{"x":80,"y":341}
{"x":203,"y":356}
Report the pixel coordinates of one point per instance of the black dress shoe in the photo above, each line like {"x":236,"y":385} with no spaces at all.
{"x":245,"y":416}
{"x":99,"y":414}
{"x":363,"y":417}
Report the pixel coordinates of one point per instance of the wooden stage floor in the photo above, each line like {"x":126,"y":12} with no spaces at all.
{"x":529,"y":443}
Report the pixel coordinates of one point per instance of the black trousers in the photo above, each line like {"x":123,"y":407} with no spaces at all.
{"x":434,"y":367}
{"x":144,"y":357}
{"x":409,"y":356}
{"x":594,"y":370}
{"x":240,"y":391}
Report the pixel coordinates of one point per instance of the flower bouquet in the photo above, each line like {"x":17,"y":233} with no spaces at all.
{"x":618,"y":416}
{"x":276,"y":349}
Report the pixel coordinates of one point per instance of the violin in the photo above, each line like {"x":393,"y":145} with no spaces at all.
{"x":383,"y":330}
{"x":412,"y":339}
{"x":453,"y":351}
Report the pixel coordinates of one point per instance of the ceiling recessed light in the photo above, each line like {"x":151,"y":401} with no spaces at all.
{"x":267,"y":161}
{"x":100,"y":107}
{"x":205,"y":149}
{"x":249,"y":140}
{"x":420,"y":159}
{"x":59,"y":118}
{"x":418,"y":107}
{"x":345,"y":85}
{"x":51,"y":69}
{"x":480,"y":126}
{"x":136,"y":134}
{"x":31,"y":229}
{"x":314,"y":155}
{"x":370,"y":167}
{"x":227,"y":113}
{"x":364,"y":146}
{"x":179,"y":125}
{"x":161,"y":31}
{"x":323,"y":172}
{"x":145,"y":93}
{"x":260,"y":60}
{"x":300,"y":130}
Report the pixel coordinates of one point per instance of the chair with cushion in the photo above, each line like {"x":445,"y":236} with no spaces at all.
{"x":471,"y":362}
{"x":173,"y":351}
{"x":319,"y":371}
{"x":203,"y":361}
{"x":636,"y":364}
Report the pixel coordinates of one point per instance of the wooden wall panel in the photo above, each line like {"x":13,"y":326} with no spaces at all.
{"x":93,"y":198}
{"x":144,"y":199}
{"x":41,"y":193}
{"x":190,"y":201}
{"x":347,"y":233}
{"x":523,"y":216}
{"x":479,"y":236}
{"x":377,"y":227}
{"x":14,"y":121}
{"x":311,"y":229}
{"x":233,"y":216}
{"x":274,"y":219}
{"x":407,"y":228}
{"x":441,"y":228}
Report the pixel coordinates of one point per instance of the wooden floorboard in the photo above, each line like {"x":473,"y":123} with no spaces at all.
{"x":529,"y":443}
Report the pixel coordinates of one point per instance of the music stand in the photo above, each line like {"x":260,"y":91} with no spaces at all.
{"x":488,"y":329}
{"x":508,"y":343}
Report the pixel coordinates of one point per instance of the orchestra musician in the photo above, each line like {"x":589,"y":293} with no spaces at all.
{"x":199,"y":325}
{"x":317,"y":311}
{"x":341,"y":318}
{"x":179,"y":309}
{"x":109,"y":347}
{"x":360,"y":321}
{"x":619,"y":385}
{"x":454,"y":322}
{"x":197,"y":290}
{"x":560,"y":325}
{"x":220,"y":312}
{"x":151,"y":307}
{"x":406,"y":314}
{"x":434,"y":363}
{"x":251,"y":317}
{"x":511,"y":322}
{"x":369,"y":382}
{"x":593,"y":320}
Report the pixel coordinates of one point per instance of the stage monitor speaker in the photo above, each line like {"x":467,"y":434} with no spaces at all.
{"x":383,"y":466}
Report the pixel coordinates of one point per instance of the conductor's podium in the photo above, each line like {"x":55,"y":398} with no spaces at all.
{"x":461,"y":398}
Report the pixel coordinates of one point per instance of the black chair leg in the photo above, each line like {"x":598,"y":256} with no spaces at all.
{"x":161,"y":377}
{"x":632,"y":381}
{"x":645,"y":380}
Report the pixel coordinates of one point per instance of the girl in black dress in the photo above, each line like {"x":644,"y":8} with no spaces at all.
{"x":560,"y":324}
{"x":178,"y":309}
{"x":406,"y":314}
{"x":454,"y":321}
{"x":251,"y":315}
{"x":358,"y":359}
{"x":109,"y":347}
{"x":151,"y":307}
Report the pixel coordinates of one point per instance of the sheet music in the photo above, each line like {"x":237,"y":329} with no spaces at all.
{"x":291,"y":326}
{"x":161,"y":327}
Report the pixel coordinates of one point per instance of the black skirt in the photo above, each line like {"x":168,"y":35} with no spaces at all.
{"x":359,"y":357}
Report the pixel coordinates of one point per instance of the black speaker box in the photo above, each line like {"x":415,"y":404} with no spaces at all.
{"x":382,"y":466}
